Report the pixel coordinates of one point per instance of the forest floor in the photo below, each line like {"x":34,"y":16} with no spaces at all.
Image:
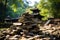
{"x":47,"y":32}
{"x":30,"y":28}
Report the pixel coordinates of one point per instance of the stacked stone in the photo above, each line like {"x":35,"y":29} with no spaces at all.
{"x":30,"y":23}
{"x":29,"y":28}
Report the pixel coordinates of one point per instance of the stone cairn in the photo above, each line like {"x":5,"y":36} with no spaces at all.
{"x":29,"y":27}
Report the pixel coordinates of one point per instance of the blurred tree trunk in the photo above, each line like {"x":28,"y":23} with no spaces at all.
{"x":2,"y":10}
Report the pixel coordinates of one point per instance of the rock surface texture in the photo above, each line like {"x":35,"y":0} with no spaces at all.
{"x":29,"y":27}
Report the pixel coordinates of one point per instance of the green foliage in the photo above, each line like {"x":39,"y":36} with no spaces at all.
{"x":17,"y":8}
{"x":55,"y":5}
{"x":44,"y":6}
{"x":14,"y":8}
{"x":49,"y":8}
